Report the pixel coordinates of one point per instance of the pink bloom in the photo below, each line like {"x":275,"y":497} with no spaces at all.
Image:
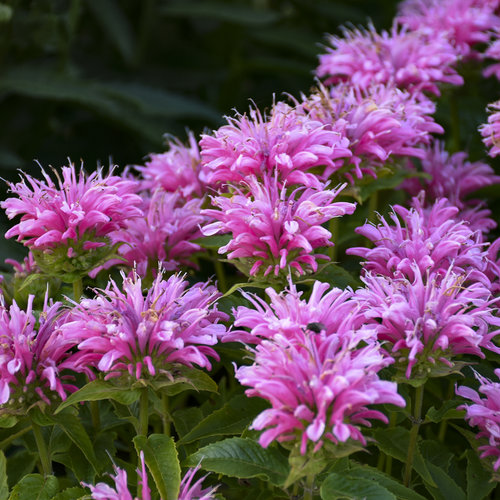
{"x":287,"y":142}
{"x":464,"y":22}
{"x":380,"y":122}
{"x":424,"y":239}
{"x":319,"y":387}
{"x":493,"y":52}
{"x":176,"y":170}
{"x":485,"y":414}
{"x":452,"y":176}
{"x":194,"y":491}
{"x":287,"y":314}
{"x":272,"y":230}
{"x":102,"y":491}
{"x":429,"y":320}
{"x":491,"y":130}
{"x":414,"y":60}
{"x":125,"y":331}
{"x":164,"y":235}
{"x":34,"y":356}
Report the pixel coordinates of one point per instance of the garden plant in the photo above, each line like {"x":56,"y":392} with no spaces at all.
{"x":299,"y":303}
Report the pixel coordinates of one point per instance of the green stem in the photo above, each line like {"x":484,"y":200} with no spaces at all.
{"x":12,"y":437}
{"x":443,"y":426}
{"x":381,"y":461}
{"x":77,"y":289}
{"x":42,"y":449}
{"x":372,"y":206}
{"x":166,"y":415}
{"x":417,"y":413}
{"x":221,"y":275}
{"x":143,"y":413}
{"x":388,"y":462}
{"x":309,"y":488}
{"x":333,"y":227}
{"x":95,"y":415}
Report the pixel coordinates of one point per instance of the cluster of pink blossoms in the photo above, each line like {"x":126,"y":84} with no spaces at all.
{"x":319,"y":377}
{"x":491,"y":130}
{"x":121,"y":332}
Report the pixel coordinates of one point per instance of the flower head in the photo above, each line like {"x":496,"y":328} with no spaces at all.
{"x":414,"y":60}
{"x":319,"y":387}
{"x":164,"y":234}
{"x":176,"y":170}
{"x":194,"y":491}
{"x":485,"y":414}
{"x":271,"y":229}
{"x":34,"y":357}
{"x":491,"y":130}
{"x":428,"y":321}
{"x":465,"y":23}
{"x":287,"y":142}
{"x":126,"y":332}
{"x":68,"y":225}
{"x":380,"y":122}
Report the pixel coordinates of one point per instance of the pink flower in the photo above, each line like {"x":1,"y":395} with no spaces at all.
{"x":194,"y":491}
{"x":452,"y":176}
{"x":380,"y":122}
{"x":427,"y":321}
{"x":68,"y":226}
{"x":273,"y":230}
{"x":430,"y":240}
{"x":127,"y":332}
{"x":102,"y":491}
{"x":177,"y":170}
{"x":414,"y":60}
{"x":493,"y":52}
{"x":288,"y":142}
{"x":319,"y":387}
{"x":164,"y":235}
{"x":491,"y":130}
{"x":34,"y":357}
{"x":287,"y":314}
{"x":485,"y":414}
{"x":464,"y":22}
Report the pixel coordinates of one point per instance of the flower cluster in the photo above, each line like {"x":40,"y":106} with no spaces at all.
{"x":126,"y":332}
{"x":485,"y":414}
{"x":273,"y":230}
{"x":319,"y":382}
{"x":491,"y":130}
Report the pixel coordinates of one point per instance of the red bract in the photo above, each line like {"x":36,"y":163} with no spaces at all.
{"x":485,"y":414}
{"x":319,"y":387}
{"x":428,"y":320}
{"x":273,"y":230}
{"x":34,"y":357}
{"x":127,"y":332}
{"x":414,"y":60}
{"x":380,"y":122}
{"x":287,"y":142}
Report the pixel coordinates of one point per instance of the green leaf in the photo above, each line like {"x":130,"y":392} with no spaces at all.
{"x":35,"y":487}
{"x":76,"y":461}
{"x":71,"y":425}
{"x":333,"y":274}
{"x":337,"y":486}
{"x":376,"y":476}
{"x":115,"y":26}
{"x":447,"y":411}
{"x":7,"y":421}
{"x":4,"y":487}
{"x":186,"y":419}
{"x":479,"y":483}
{"x":446,"y":487}
{"x":19,"y":464}
{"x":184,"y":379}
{"x":161,"y":458}
{"x":251,"y":284}
{"x":220,"y":11}
{"x":74,"y":493}
{"x":232,"y":418}
{"x":213,"y":242}
{"x":98,"y":390}
{"x":394,"y":442}
{"x":242,"y":458}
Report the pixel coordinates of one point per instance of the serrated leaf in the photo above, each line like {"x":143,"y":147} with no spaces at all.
{"x":75,"y":493}
{"x":378,"y":477}
{"x":18,"y":465}
{"x":447,"y":411}
{"x":76,"y":461}
{"x":394,"y":442}
{"x":233,"y":418}
{"x":98,"y":390}
{"x":446,"y":487}
{"x":35,"y":487}
{"x":161,"y":458}
{"x":242,"y":458}
{"x":237,"y":14}
{"x":479,"y":483}
{"x":4,"y":487}
{"x":184,"y":379}
{"x":337,"y":486}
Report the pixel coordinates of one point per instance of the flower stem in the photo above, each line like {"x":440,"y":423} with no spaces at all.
{"x":42,"y":449}
{"x":221,"y":275}
{"x":309,"y":488}
{"x":333,"y":227}
{"x":165,"y":417}
{"x":77,"y":289}
{"x":417,"y":412}
{"x":12,"y":437}
{"x":143,"y":413}
{"x":95,"y":415}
